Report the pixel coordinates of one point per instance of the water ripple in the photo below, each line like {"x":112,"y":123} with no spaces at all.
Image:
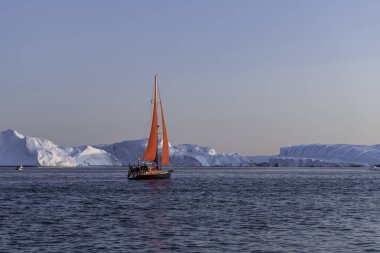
{"x":211,"y":210}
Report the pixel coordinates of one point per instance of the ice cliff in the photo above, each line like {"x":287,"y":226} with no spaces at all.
{"x":327,"y":155}
{"x":127,"y":151}
{"x":90,"y":156}
{"x":16,"y":149}
{"x":181,"y":155}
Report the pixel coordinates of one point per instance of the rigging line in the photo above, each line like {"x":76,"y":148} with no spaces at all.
{"x":159,"y":101}
{"x":162,"y":130}
{"x":158,"y":123}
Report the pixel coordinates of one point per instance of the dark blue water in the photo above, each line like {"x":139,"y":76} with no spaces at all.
{"x":197,"y":210}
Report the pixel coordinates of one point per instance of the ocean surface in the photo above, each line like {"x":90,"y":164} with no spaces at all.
{"x":197,"y":210}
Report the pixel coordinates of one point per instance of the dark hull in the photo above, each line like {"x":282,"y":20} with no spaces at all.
{"x":154,"y":176}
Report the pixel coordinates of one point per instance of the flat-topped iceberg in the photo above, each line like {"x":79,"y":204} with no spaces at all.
{"x":327,"y":155}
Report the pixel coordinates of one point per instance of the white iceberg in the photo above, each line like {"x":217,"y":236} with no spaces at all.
{"x":127,"y":151}
{"x":17,"y":149}
{"x":181,"y":155}
{"x":327,"y":155}
{"x":90,"y":156}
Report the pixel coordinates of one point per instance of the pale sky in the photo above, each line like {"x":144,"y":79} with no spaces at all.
{"x":240,"y":76}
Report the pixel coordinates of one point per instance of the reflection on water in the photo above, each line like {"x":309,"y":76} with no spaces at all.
{"x":197,"y":210}
{"x":157,"y":191}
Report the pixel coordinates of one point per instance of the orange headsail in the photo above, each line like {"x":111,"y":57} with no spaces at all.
{"x":151,"y":149}
{"x":165,"y":143}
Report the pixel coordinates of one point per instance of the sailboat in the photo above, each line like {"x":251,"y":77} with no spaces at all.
{"x":153,"y":164}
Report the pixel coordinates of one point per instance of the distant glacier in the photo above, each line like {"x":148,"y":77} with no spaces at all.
{"x":327,"y":155}
{"x":17,"y":149}
{"x":181,"y":155}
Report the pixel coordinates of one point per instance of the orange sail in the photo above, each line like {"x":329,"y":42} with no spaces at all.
{"x":165,"y":143}
{"x":151,"y":149}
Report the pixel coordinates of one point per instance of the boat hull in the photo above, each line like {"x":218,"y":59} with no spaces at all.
{"x":165,"y":175}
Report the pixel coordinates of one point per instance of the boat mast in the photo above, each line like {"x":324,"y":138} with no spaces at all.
{"x":158,"y":125}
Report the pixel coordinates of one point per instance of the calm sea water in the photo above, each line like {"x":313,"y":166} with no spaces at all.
{"x":197,"y":210}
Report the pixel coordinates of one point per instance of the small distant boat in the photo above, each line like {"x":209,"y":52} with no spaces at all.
{"x":20,"y":167}
{"x":152,"y":166}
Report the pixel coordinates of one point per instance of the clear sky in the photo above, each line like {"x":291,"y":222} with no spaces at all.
{"x":241,"y":76}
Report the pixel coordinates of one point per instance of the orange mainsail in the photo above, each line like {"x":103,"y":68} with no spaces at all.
{"x":165,"y":143}
{"x":152,"y":148}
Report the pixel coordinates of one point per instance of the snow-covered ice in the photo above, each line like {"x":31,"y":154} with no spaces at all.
{"x":16,"y":149}
{"x":327,"y":155}
{"x":181,"y":155}
{"x":90,"y":156}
